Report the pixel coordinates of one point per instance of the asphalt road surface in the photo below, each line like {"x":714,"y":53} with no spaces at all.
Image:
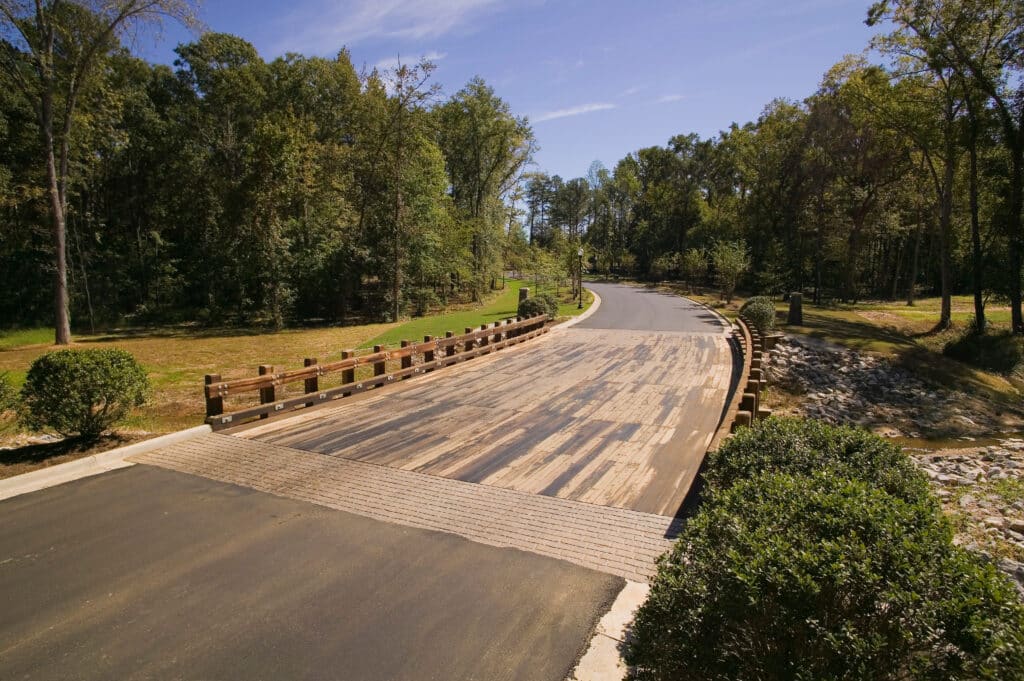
{"x":640,"y":309}
{"x":144,"y":573}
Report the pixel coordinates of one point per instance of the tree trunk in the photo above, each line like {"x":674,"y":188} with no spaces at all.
{"x":912,"y":275}
{"x":945,"y":222}
{"x":976,"y":254}
{"x":62,"y":318}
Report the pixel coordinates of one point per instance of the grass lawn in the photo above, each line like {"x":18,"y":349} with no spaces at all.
{"x":177,"y":358}
{"x":501,"y":307}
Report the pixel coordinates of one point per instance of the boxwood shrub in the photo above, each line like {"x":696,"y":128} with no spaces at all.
{"x":550,"y":303}
{"x":545,"y":303}
{"x":531,"y":307}
{"x":82,"y":392}
{"x":759,"y":311}
{"x":804,"y":446}
{"x":821,"y":577}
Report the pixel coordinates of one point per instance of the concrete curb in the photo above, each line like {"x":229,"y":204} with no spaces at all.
{"x":725,"y":320}
{"x":579,"y":318}
{"x":91,"y":465}
{"x":603,"y":659}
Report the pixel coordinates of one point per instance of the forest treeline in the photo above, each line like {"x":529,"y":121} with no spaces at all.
{"x":897,"y":177}
{"x":231,"y":189}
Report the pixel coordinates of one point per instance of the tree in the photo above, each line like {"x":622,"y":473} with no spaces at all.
{"x":694,"y":264}
{"x":979,"y":40}
{"x":52,"y":50}
{"x":486,"y":149}
{"x":731,"y":261}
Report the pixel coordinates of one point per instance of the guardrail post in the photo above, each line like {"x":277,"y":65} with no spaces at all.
{"x":267,"y":395}
{"x":428,"y":355}
{"x":451,"y":349}
{"x":406,"y":361}
{"x":347,"y":375}
{"x":379,"y":368}
{"x":311,"y":385}
{"x":469,"y":342}
{"x":214,"y":405}
{"x":486,"y":338}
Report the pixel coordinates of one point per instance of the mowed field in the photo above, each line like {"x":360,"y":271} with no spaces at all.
{"x":177,"y":358}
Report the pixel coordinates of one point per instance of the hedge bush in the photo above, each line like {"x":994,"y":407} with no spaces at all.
{"x":759,"y":311}
{"x":820,"y":577}
{"x":82,"y":392}
{"x":545,"y":303}
{"x":551,"y":303}
{"x":804,"y":446}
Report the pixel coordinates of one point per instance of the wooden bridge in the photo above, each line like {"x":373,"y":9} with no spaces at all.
{"x":598,"y":413}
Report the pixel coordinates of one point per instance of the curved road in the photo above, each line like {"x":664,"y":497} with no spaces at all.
{"x":640,"y":309}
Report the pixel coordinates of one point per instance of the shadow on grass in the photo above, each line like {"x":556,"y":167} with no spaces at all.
{"x":34,"y":454}
{"x":905,"y":353}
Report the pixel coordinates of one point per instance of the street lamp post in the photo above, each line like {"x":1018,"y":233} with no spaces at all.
{"x":580,"y":253}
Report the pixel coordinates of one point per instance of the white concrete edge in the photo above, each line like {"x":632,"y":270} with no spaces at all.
{"x":603,"y":659}
{"x":579,"y":318}
{"x":91,"y":465}
{"x":729,"y":326}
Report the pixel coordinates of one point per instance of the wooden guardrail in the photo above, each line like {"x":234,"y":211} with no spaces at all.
{"x":434,"y":353}
{"x":745,"y":406}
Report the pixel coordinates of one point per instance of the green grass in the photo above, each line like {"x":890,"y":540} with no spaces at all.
{"x":17,"y":338}
{"x":503,"y":306}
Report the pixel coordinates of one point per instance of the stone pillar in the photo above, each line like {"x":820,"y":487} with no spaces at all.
{"x":796,"y":309}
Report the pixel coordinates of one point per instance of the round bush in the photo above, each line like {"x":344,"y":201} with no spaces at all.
{"x":795,"y":577}
{"x":759,"y":311}
{"x":531,"y":307}
{"x":803,"y":446}
{"x":550,"y":303}
{"x":82,"y":392}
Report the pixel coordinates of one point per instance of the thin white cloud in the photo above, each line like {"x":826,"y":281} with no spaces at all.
{"x":348,"y":22}
{"x":392,"y":62}
{"x":670,"y":98}
{"x":630,"y":91}
{"x":572,"y":111}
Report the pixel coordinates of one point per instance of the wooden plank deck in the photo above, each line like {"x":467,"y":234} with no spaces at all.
{"x":612,"y":417}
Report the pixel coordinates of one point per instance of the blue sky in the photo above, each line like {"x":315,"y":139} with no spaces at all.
{"x":597,"y":78}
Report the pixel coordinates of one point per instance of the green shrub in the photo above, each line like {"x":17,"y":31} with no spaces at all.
{"x":531,"y":307}
{"x":550,"y":303}
{"x":795,"y":577}
{"x":804,"y":446}
{"x":545,"y":303}
{"x":8,"y":394}
{"x":759,"y":311}
{"x":82,"y":392}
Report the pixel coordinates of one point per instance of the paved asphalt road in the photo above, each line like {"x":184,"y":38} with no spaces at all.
{"x":629,"y":307}
{"x":144,"y":573}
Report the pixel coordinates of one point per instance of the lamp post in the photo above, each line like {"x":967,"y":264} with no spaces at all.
{"x":580,"y":253}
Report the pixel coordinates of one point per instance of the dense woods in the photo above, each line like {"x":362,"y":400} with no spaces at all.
{"x":230,"y":189}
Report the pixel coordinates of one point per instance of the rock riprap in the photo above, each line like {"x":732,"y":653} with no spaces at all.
{"x":845,"y":387}
{"x":984,"y":486}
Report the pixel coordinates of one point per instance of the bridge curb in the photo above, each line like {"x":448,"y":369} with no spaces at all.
{"x":91,"y":465}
